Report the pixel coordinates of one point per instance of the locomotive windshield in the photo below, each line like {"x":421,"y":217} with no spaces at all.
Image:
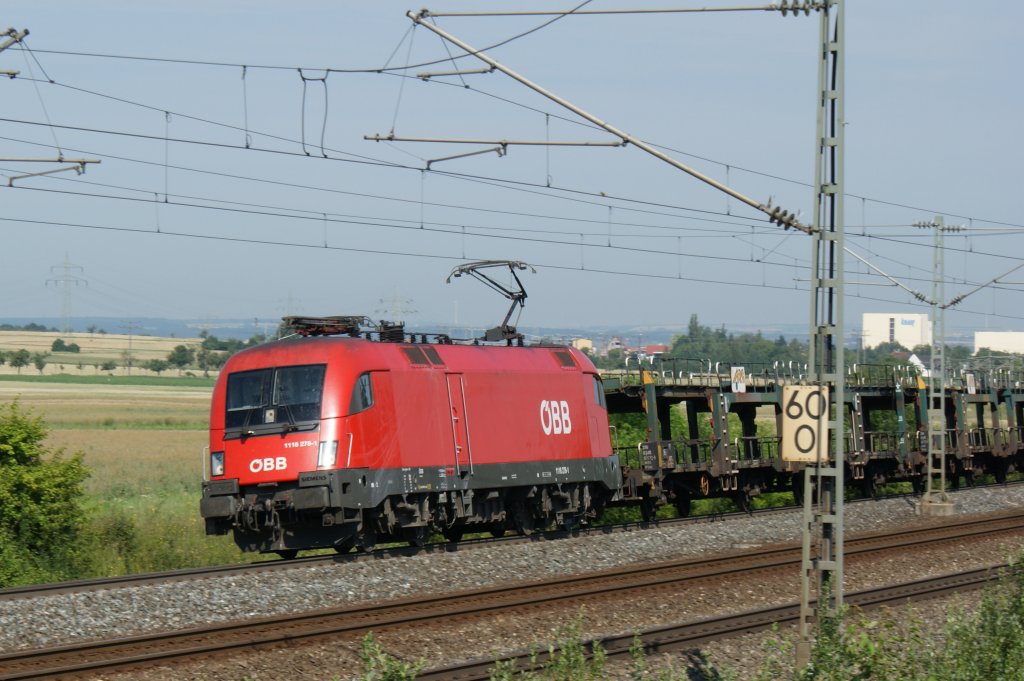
{"x":274,"y":399}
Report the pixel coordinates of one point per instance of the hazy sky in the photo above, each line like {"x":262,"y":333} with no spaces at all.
{"x":214,"y":198}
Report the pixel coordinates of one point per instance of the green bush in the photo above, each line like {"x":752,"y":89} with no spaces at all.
{"x":41,"y":493}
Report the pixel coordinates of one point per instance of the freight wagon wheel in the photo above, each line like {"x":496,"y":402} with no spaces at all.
{"x":287,"y":554}
{"x":648,"y":509}
{"x":868,"y":488}
{"x":570,"y":522}
{"x":454,"y":534}
{"x":497,"y":530}
{"x":999,"y":470}
{"x":743,"y":502}
{"x":953,"y":470}
{"x":682,"y":502}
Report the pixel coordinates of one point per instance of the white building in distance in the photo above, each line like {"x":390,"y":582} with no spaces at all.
{"x":1001,"y":341}
{"x":909,"y":330}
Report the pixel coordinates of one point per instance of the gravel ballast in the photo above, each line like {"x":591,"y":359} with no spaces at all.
{"x":66,"y":618}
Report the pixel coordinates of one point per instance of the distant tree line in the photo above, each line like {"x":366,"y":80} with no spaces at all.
{"x":752,"y":350}
{"x":25,"y":327}
{"x":209,"y":356}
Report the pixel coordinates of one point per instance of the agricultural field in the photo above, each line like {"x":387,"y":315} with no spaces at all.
{"x":95,"y":350}
{"x":145,"y":448}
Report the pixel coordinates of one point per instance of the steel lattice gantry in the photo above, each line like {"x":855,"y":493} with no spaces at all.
{"x":823,"y":513}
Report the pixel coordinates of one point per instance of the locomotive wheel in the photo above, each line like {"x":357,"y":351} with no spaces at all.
{"x":367,"y":540}
{"x":345,"y":545}
{"x":416,"y":536}
{"x":288,"y":554}
{"x":523,"y":520}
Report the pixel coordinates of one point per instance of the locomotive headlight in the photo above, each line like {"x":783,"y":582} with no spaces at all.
{"x":216,"y":463}
{"x":328,"y":454}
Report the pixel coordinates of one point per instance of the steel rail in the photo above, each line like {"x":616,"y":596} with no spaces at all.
{"x":150,"y":649}
{"x":690,"y":634}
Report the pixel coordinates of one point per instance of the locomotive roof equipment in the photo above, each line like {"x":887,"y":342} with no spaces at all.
{"x":517,"y":295}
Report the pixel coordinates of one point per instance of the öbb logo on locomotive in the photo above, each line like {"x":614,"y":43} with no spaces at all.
{"x":268,"y":463}
{"x":554,"y":417}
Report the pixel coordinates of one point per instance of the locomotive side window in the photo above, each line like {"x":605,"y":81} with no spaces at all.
{"x":268,"y":399}
{"x":599,"y":393}
{"x":362,"y":395}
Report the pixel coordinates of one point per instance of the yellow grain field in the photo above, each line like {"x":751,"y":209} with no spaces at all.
{"x":84,"y":406}
{"x":96,"y":348}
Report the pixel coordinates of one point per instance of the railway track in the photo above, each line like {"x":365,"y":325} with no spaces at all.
{"x":103,"y":583}
{"x":688,"y":635}
{"x":105,"y":656}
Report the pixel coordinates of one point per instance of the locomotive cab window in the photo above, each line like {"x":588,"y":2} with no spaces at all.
{"x":272,"y":400}
{"x":362,"y":395}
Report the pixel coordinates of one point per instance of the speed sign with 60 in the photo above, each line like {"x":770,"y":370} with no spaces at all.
{"x":805,"y":423}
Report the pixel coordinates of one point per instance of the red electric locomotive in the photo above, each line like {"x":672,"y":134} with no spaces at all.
{"x":343,"y":436}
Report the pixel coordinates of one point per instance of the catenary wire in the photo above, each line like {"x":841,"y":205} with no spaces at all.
{"x":645,"y":275}
{"x":539,"y":111}
{"x":449,"y":229}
